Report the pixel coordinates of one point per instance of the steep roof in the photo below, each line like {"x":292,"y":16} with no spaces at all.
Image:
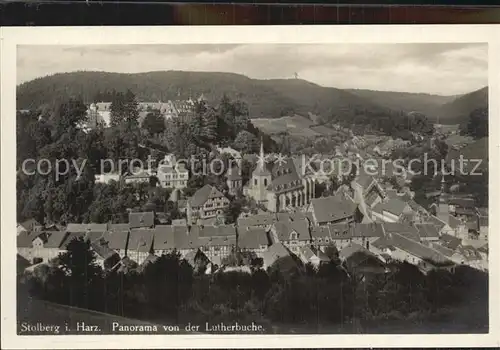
{"x":164,"y":237}
{"x":203,"y":194}
{"x":141,"y":219}
{"x":117,"y":239}
{"x":327,"y":209}
{"x":25,"y":239}
{"x":141,"y":240}
{"x":55,"y":239}
{"x":70,"y":237}
{"x":214,"y":231}
{"x":285,"y":228}
{"x":118,"y":227}
{"x":102,"y":249}
{"x":252,"y":238}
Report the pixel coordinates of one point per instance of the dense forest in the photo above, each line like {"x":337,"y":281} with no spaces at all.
{"x":72,"y":196}
{"x":287,"y":295}
{"x":264,"y":98}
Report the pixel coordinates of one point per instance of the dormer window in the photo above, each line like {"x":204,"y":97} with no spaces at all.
{"x":293,"y":236}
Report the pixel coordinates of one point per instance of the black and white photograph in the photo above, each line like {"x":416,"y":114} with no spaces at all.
{"x":254,"y":188}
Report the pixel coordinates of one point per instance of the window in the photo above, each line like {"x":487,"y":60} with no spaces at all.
{"x":327,"y":240}
{"x":255,"y":182}
{"x":265,"y":182}
{"x":293,"y":236}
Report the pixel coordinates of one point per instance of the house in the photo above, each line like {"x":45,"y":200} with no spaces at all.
{"x":390,"y":210}
{"x":215,"y":240}
{"x":340,"y":234}
{"x":234,"y":180}
{"x":320,"y":237}
{"x":197,"y":259}
{"x":450,"y":242}
{"x":29,"y":225}
{"x":40,"y":246}
{"x":107,"y":178}
{"x":173,"y":175}
{"x":141,"y":220}
{"x":118,"y":240}
{"x":332,"y":210}
{"x":140,"y":177}
{"x":231,"y":151}
{"x":311,"y":255}
{"x":483,"y":224}
{"x":253,"y":239}
{"x":274,"y":253}
{"x":365,"y":234}
{"x":207,"y":202}
{"x":140,"y":244}
{"x":164,"y":239}
{"x":418,"y":254}
{"x":292,"y":234}
{"x":106,"y":257}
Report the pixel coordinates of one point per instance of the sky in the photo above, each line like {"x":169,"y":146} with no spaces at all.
{"x":444,"y":69}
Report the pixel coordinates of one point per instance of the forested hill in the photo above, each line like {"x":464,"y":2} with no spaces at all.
{"x":458,"y":110}
{"x":265,"y":98}
{"x":405,"y":101}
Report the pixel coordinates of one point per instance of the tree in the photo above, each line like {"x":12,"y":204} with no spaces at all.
{"x":246,"y":142}
{"x":154,"y":123}
{"x":79,"y":264}
{"x":477,"y":125}
{"x":233,"y":211}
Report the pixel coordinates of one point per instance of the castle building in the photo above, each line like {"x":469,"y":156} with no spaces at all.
{"x":280,"y":185}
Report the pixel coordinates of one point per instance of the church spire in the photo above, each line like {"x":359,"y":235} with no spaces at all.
{"x":262,"y":162}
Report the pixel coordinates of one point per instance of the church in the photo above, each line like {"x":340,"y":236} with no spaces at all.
{"x":280,"y":185}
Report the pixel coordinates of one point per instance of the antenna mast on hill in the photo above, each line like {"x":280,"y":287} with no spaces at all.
{"x":296,"y":75}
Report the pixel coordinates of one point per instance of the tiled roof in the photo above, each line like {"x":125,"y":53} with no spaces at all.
{"x":320,"y":232}
{"x":117,"y":239}
{"x":25,"y":239}
{"x":86,"y":227}
{"x":368,"y":230}
{"x":140,"y":240}
{"x":284,"y":229}
{"x":203,"y":194}
{"x":214,"y":231}
{"x":393,"y":205}
{"x":397,"y":227}
{"x":427,"y":230}
{"x":274,"y":252}
{"x":340,"y":231}
{"x":252,"y":238}
{"x":70,"y":237}
{"x":418,"y":250}
{"x":164,"y":237}
{"x":55,"y":239}
{"x":450,"y":242}
{"x":257,"y":220}
{"x":327,"y":209}
{"x":306,"y":252}
{"x":468,"y":203}
{"x":443,"y":250}
{"x":102,"y":249}
{"x":142,"y":219}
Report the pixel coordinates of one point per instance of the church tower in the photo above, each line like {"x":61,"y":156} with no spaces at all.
{"x":261,"y":177}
